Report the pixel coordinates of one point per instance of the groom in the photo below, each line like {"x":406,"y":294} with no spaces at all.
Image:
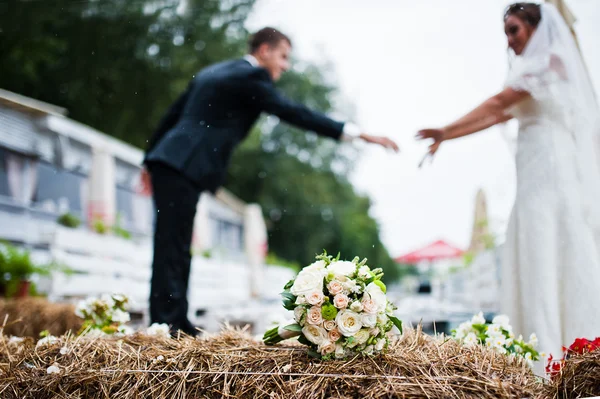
{"x":190,"y":150}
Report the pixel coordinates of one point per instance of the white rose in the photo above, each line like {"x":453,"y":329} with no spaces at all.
{"x":342,"y":268}
{"x":368,"y":319}
{"x":377,"y":295}
{"x":340,"y":301}
{"x":314,"y":316}
{"x":315,"y":298}
{"x":329,"y":325}
{"x":314,"y":334}
{"x":362,"y":336}
{"x":299,"y":313}
{"x":326,"y":347}
{"x":356,"y":306}
{"x":307,"y":282}
{"x":300,"y":300}
{"x":316,"y":266}
{"x":348,"y":322}
{"x":364,"y":272}
{"x":375,"y":331}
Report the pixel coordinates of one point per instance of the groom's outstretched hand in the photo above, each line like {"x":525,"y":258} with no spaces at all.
{"x":380,"y":140}
{"x":436,"y":134}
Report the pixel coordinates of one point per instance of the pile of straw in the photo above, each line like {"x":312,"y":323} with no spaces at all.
{"x":579,"y":378}
{"x":28,"y":317}
{"x":234,"y":365}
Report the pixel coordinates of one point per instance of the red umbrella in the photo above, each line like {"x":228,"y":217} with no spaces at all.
{"x":434,"y":251}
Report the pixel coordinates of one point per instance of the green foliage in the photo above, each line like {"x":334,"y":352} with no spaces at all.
{"x":69,"y":220}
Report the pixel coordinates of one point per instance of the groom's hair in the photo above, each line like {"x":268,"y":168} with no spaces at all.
{"x":268,"y":35}
{"x":527,"y":12}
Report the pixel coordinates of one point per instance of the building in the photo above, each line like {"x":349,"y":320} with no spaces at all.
{"x":51,"y":165}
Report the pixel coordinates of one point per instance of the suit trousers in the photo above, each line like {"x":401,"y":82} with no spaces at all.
{"x":175,"y":200}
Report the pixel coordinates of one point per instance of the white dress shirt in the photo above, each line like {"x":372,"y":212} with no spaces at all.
{"x":350,"y":132}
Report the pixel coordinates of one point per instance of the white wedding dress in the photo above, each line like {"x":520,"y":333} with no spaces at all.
{"x":551,"y":257}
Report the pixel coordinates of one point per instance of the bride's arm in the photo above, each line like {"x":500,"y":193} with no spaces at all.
{"x":489,"y":113}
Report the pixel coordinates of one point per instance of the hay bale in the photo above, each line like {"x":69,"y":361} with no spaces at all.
{"x":28,"y":317}
{"x":579,"y":378}
{"x":233,"y":365}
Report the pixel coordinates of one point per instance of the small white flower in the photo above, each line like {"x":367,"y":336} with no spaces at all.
{"x":533,"y":340}
{"x":159,"y":330}
{"x":478,"y":319}
{"x":126,"y":330}
{"x":120,"y":316}
{"x":159,"y":358}
{"x":380,"y":345}
{"x":54,"y":369}
{"x":15,"y":340}
{"x":64,"y":350}
{"x":503,"y":321}
{"x":368,"y":350}
{"x":49,"y":340}
{"x":364,"y":272}
{"x":470,"y":339}
{"x":494,"y":330}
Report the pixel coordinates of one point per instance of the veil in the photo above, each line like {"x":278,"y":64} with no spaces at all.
{"x":551,"y":69}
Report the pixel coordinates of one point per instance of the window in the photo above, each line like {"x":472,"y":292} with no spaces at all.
{"x":61,"y":190}
{"x":227,"y":235}
{"x":18,"y":176}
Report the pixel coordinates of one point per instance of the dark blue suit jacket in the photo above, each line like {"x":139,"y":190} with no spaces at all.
{"x":199,"y":132}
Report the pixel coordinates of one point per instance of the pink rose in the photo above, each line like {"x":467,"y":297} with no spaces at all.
{"x":369,"y":305}
{"x":335,"y":287}
{"x":334,"y":335}
{"x":314,"y":316}
{"x":315,"y":298}
{"x":341,"y":301}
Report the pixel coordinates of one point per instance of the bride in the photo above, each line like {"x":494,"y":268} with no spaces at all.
{"x":551,"y":264}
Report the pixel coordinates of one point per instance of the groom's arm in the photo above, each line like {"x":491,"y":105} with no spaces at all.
{"x":262,"y":93}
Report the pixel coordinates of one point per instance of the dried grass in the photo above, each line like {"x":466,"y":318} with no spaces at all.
{"x":579,"y":378}
{"x":28,"y":317}
{"x":233,"y":365}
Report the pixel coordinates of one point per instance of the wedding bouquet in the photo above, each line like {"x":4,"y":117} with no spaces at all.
{"x":497,"y":335}
{"x":340,"y":309}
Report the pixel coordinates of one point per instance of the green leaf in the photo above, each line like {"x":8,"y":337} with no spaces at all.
{"x":302,"y":339}
{"x":289,"y":284}
{"x":314,"y":354}
{"x":397,"y":322}
{"x":293,"y":327}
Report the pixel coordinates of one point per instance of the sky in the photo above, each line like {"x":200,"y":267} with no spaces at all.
{"x":406,"y":65}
